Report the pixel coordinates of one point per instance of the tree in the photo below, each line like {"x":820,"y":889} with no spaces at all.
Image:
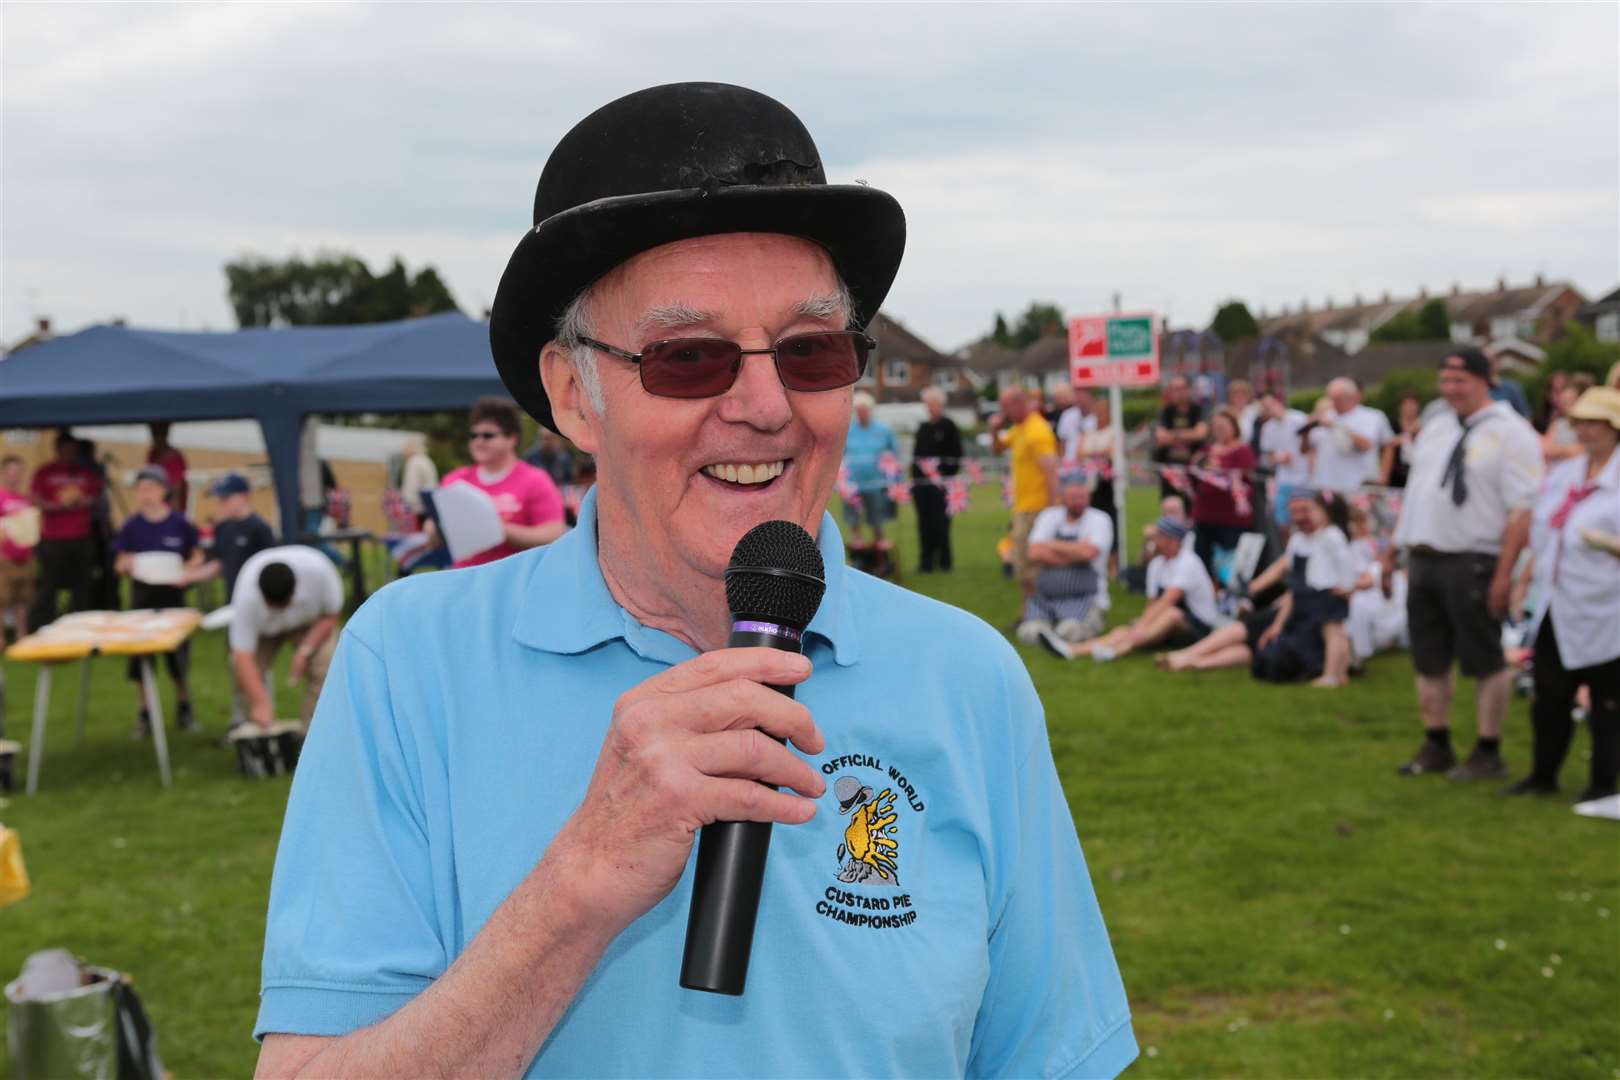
{"x":1576,"y":349}
{"x":1431,"y":322}
{"x":1037,"y":321}
{"x":333,"y":289}
{"x":1234,"y":322}
{"x":1001,"y":335}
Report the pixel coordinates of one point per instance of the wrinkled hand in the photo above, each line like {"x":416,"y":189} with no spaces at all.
{"x":1496,"y":597}
{"x":690,"y":746}
{"x":867,"y":839}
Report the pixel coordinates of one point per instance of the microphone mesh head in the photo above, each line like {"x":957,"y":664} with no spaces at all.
{"x":776,"y":574}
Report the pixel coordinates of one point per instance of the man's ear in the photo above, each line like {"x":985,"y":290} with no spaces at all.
{"x":570,"y":406}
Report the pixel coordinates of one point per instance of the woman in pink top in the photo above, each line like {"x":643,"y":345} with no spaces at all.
{"x":529,"y":503}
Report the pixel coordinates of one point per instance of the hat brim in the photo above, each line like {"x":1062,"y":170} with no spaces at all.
{"x":862,"y":228}
{"x":1598,"y":413}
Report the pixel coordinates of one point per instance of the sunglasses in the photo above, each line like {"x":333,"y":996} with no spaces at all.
{"x":707,"y":367}
{"x":482,"y":436}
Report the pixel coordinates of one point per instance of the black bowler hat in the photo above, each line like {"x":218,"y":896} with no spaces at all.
{"x":672,"y":163}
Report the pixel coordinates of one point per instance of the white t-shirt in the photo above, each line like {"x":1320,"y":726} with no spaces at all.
{"x":1185,"y":572}
{"x":1329,"y":563}
{"x":1579,"y":583}
{"x":1092,"y":527}
{"x":1072,"y":423}
{"x":1339,"y":466}
{"x":1281,"y":436}
{"x":317,"y":591}
{"x":1503,"y":466}
{"x":1247,"y":418}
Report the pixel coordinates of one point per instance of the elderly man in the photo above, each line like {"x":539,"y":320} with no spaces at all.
{"x":864,"y":448}
{"x":1180,"y":431}
{"x":486,"y":862}
{"x":1020,"y":430}
{"x":936,"y":455}
{"x":1476,"y":469}
{"x":1346,"y":444}
{"x":1069,"y":544}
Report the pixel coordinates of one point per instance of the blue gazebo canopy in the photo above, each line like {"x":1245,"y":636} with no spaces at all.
{"x":115,"y":374}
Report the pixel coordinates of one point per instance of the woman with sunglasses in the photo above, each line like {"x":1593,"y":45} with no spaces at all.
{"x":530,"y":506}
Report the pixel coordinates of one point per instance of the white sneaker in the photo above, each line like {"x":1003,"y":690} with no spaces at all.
{"x":1054,"y":644}
{"x":1102,"y":654}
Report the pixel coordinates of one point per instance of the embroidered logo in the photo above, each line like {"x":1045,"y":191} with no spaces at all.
{"x":877,"y":826}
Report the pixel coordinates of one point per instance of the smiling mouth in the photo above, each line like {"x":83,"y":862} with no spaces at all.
{"x":746,"y":474}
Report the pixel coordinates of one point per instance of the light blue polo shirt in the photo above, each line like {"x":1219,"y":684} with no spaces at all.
{"x":459,"y":727}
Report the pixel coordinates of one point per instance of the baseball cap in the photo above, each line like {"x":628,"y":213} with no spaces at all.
{"x":231,"y":484}
{"x":1469,"y":359}
{"x":1170,"y":528}
{"x":154,"y":474}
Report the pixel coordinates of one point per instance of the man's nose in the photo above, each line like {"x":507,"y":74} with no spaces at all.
{"x":758,"y":397}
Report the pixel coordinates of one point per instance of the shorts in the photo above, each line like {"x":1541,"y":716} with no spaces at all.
{"x":1189,"y":635}
{"x":872,"y":509}
{"x":1023,"y":569}
{"x":1447,"y":616}
{"x":17,"y":582}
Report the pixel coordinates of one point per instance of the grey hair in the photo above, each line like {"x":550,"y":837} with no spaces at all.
{"x":574,"y":326}
{"x":931,"y":393}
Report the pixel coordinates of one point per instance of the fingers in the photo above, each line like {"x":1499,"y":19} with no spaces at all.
{"x":759,"y":665}
{"x":734,"y":705}
{"x":753,"y":755}
{"x":744,"y":800}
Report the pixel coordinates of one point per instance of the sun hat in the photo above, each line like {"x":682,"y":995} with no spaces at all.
{"x":671,"y":163}
{"x":1598,"y":403}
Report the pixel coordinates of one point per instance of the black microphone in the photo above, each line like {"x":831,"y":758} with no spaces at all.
{"x":773,"y":587}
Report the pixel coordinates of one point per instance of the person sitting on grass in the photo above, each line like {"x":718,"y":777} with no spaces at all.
{"x":1306,"y":637}
{"x":156,"y":527}
{"x":1069,"y":546}
{"x":1180,"y":611}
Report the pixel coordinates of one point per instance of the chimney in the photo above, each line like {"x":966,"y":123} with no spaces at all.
{"x":119,"y":320}
{"x":1456,"y":289}
{"x":1329,"y":305}
{"x":1541,"y":281}
{"x":1501,"y":284}
{"x":1305,"y":305}
{"x":44,"y":323}
{"x":1357,"y":300}
{"x":1386,"y":296}
{"x":1423,"y":292}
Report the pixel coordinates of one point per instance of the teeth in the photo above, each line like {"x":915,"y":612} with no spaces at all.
{"x":747,"y":473}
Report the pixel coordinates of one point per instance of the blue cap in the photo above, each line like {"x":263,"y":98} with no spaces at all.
{"x":231,"y":484}
{"x":1170,"y":528}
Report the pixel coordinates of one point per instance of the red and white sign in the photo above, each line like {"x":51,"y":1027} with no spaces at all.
{"x":1114,"y":350}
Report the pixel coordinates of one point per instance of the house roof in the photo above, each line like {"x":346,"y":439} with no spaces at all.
{"x":1462,"y":306}
{"x":1608,"y":302}
{"x":895,"y":339}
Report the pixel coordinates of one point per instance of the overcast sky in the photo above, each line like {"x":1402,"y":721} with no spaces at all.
{"x":1177,"y":154}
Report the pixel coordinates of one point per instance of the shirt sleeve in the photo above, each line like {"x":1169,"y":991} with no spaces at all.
{"x":1044,"y":531}
{"x":189,"y":538}
{"x":1521,"y":468}
{"x":121,"y":543}
{"x":1054,"y":1003}
{"x":246,"y":610}
{"x":352,"y":931}
{"x":1099,"y":532}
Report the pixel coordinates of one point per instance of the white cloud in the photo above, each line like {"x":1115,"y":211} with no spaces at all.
{"x":1178,"y":154}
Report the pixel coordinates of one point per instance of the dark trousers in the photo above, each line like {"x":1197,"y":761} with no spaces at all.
{"x":142,"y":596}
{"x":63,"y":564}
{"x":933,"y":525}
{"x":1555,"y":697}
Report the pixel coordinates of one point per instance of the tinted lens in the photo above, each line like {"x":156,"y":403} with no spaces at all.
{"x":690,"y":367}
{"x":821,"y":361}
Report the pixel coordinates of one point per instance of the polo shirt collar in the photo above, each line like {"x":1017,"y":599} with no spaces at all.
{"x":567,"y":608}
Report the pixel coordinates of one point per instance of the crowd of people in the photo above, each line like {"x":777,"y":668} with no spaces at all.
{"x":1411,"y":535}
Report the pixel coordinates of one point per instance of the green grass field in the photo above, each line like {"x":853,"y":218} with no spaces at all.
{"x":1281,"y":903}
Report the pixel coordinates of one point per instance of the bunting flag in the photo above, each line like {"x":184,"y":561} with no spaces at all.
{"x":1007,"y":489}
{"x":956,"y":496}
{"x":846,"y":487}
{"x":900,"y":493}
{"x":929,"y":467}
{"x":975,"y":470}
{"x":889,"y":464}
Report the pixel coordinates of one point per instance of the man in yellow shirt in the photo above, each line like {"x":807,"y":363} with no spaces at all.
{"x":1034,"y":454}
